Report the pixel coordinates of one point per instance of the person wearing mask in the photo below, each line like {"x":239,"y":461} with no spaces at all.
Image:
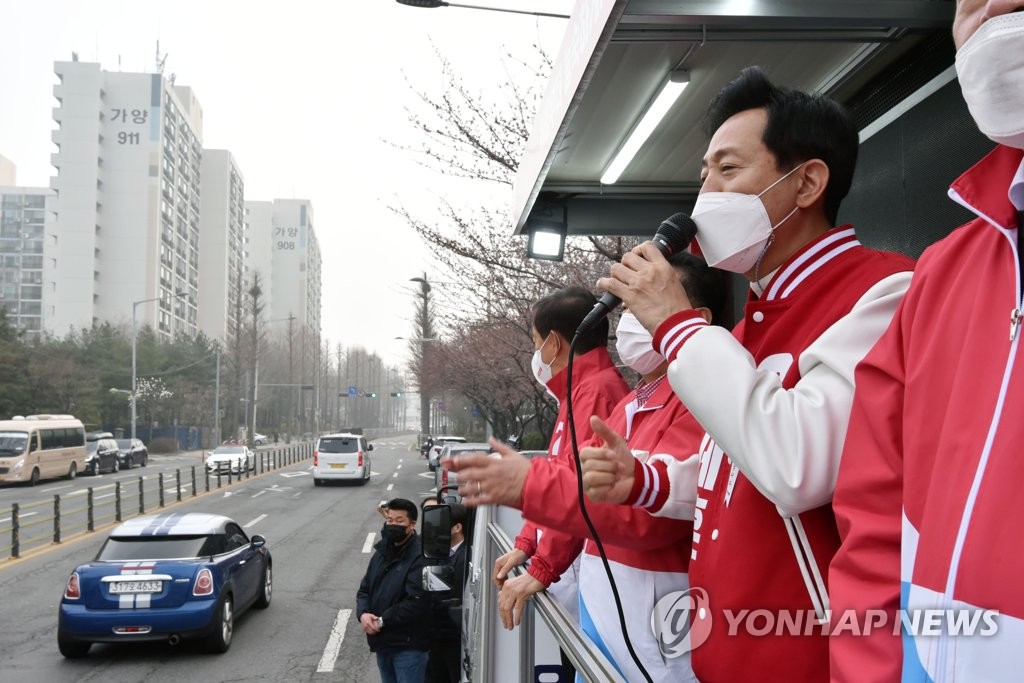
{"x":597,"y":386}
{"x":390,"y":605}
{"x":774,"y":396}
{"x":928,"y":496}
{"x":446,"y":645}
{"x":648,"y":555}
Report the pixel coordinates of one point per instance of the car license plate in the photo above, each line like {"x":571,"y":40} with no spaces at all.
{"x":337,"y":465}
{"x":120,"y":587}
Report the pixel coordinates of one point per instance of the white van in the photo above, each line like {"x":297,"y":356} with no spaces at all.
{"x":341,"y":457}
{"x":41,"y":447}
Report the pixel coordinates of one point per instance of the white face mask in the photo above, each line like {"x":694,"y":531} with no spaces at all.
{"x":541,"y":370}
{"x":635,"y":345}
{"x":989,"y":66}
{"x":733,"y":229}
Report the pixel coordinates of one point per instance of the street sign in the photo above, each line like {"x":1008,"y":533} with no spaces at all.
{"x":353,"y":391}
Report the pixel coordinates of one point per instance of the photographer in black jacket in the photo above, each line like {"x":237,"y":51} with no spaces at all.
{"x":391,"y":606}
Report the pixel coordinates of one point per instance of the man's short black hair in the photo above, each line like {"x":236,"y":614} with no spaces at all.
{"x":800,"y":126}
{"x":705,"y":286}
{"x":563,"y":311}
{"x":458,"y":514}
{"x":406,"y":505}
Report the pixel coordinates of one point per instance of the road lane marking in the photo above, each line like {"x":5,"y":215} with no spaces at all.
{"x":334,"y":642}
{"x":21,"y":516}
{"x":255,"y":521}
{"x":428,"y":475}
{"x":257,"y":495}
{"x":368,"y":546}
{"x":394,"y":475}
{"x":55,"y":488}
{"x":297,"y":494}
{"x":390,"y":486}
{"x":399,"y":466}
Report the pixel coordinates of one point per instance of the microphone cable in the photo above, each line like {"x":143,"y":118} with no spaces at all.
{"x":581,"y":499}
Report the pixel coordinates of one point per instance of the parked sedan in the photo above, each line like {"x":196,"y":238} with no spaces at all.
{"x":259,"y":439}
{"x":163,"y":578}
{"x":101,"y":455}
{"x":230,"y":458}
{"x":132,"y":452}
{"x":434,"y":452}
{"x":443,"y":477}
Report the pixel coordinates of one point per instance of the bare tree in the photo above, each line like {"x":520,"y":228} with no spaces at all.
{"x":494,"y":283}
{"x":255,"y":334}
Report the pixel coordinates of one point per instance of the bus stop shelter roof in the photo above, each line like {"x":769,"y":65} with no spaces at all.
{"x":615,"y":56}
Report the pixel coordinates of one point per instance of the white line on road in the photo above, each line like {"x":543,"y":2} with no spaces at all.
{"x":255,"y":521}
{"x":297,"y":494}
{"x":334,"y":642}
{"x":105,"y":495}
{"x":399,"y":466}
{"x":368,"y":546}
{"x":20,"y":517}
{"x":390,"y":486}
{"x":257,"y":495}
{"x":55,"y":488}
{"x":394,"y":475}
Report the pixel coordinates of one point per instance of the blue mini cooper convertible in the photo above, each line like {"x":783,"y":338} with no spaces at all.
{"x":165,"y":577}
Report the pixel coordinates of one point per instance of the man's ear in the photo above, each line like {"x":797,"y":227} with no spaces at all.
{"x":705,"y":313}
{"x":457,"y":526}
{"x":815,"y":174}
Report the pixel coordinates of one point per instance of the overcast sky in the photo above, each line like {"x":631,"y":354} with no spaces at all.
{"x":302,"y":94}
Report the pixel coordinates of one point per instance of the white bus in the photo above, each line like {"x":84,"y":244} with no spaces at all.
{"x":40,"y":447}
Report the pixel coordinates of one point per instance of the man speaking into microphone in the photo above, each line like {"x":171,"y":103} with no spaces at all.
{"x":774,"y":396}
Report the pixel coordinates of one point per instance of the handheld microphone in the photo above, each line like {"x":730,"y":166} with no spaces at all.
{"x":674,"y":234}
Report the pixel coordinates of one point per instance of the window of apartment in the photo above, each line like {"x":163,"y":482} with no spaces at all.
{"x":32,"y":292}
{"x":32,"y":261}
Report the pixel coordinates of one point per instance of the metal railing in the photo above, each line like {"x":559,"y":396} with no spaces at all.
{"x":490,"y":660}
{"x":84,"y":511}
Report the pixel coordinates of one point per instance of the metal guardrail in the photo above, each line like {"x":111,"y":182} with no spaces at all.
{"x":115,"y":502}
{"x":590,"y":662}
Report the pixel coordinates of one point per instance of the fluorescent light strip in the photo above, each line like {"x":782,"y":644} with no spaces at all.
{"x":670,"y":92}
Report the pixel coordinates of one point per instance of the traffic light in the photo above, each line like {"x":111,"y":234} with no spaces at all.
{"x":373,"y":394}
{"x":396,"y":394}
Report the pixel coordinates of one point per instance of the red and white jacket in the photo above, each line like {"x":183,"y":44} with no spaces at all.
{"x":774,"y":398}
{"x":648,"y":555}
{"x":597,"y":386}
{"x":929,"y":500}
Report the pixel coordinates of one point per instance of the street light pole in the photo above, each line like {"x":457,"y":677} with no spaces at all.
{"x":135,"y":336}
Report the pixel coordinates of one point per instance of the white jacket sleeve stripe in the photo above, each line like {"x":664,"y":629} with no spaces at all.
{"x":679,"y":334}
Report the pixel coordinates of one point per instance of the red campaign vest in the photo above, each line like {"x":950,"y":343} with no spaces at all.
{"x":744,"y":552}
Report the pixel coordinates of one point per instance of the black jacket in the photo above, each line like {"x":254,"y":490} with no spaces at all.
{"x":393,"y":589}
{"x":448,"y":604}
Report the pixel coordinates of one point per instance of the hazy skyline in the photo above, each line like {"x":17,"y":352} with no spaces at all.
{"x":303,"y":99}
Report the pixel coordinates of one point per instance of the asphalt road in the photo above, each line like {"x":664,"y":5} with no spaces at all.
{"x":320,"y":539}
